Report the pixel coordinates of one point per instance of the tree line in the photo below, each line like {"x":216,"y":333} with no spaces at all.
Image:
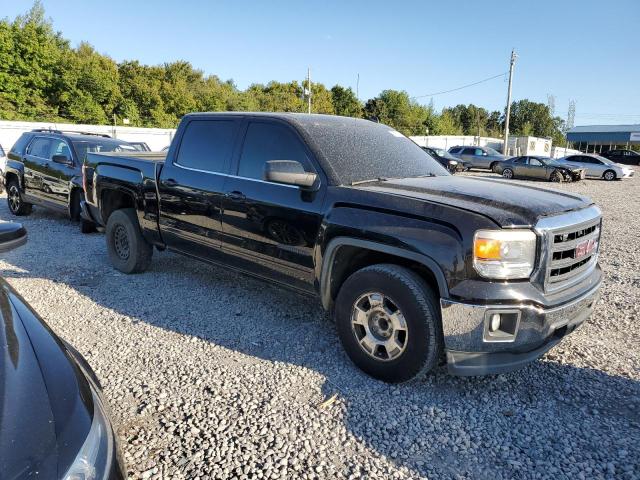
{"x":44,"y":78}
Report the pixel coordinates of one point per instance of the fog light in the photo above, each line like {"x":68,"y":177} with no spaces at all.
{"x":495,"y":322}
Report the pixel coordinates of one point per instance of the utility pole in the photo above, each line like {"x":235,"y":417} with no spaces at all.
{"x":506,"y":121}
{"x":309,"y":87}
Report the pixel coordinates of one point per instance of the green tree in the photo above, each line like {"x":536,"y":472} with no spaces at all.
{"x":345,"y":102}
{"x":395,"y":108}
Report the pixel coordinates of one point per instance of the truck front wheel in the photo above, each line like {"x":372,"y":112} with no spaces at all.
{"x":389,"y":323}
{"x":128,"y":251}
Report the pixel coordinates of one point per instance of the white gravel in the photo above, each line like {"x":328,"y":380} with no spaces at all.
{"x":210,"y":374}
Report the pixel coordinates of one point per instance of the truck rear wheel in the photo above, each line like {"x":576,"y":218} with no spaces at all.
{"x":389,"y":323}
{"x":128,"y":251}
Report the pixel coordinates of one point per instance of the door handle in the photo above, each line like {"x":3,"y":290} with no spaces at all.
{"x":237,"y":196}
{"x":170,"y":182}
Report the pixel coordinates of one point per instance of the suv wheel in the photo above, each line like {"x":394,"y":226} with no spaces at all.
{"x":14,"y":199}
{"x":609,"y":175}
{"x":389,"y":323}
{"x":74,"y":205}
{"x":128,"y":251}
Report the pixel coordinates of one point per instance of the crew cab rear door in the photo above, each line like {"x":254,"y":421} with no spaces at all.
{"x":191,"y":184}
{"x":270,"y":227}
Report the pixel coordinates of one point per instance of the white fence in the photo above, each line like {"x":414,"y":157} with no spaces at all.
{"x":156,"y":138}
{"x":448,"y":141}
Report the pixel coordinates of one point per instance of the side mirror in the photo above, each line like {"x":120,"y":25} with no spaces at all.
{"x":12,"y":235}
{"x":62,"y":159}
{"x":288,"y":172}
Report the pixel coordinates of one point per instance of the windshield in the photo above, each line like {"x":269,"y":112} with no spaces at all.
{"x":444,"y":154}
{"x":355,"y":150}
{"x":99,"y":145}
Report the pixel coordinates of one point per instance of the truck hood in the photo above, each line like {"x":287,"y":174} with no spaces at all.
{"x":506,"y":203}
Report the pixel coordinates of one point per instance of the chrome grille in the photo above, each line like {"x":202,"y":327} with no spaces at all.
{"x":572,"y":253}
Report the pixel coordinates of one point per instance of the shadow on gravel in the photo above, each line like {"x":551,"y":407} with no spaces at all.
{"x":549,"y":418}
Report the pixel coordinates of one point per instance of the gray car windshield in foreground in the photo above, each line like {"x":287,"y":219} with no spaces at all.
{"x":357,"y":150}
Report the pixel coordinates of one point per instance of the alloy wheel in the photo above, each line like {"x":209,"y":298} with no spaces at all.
{"x":507,"y":173}
{"x":379,"y":326}
{"x":14,"y":199}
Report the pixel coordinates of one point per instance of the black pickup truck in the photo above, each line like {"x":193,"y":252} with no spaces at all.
{"x":416,"y":265}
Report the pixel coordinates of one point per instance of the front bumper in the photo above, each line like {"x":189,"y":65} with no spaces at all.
{"x":472,"y":349}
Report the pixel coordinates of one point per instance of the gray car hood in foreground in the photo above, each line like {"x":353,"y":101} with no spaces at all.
{"x":508,"y":204}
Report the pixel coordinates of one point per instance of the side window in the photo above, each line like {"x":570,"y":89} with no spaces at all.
{"x":469,"y":151}
{"x":269,"y":141}
{"x":583,"y":159}
{"x":207,"y":145}
{"x":40,"y":147}
{"x":60,"y":147}
{"x":479,"y":152}
{"x":455,"y":150}
{"x":520,"y":160}
{"x":534,"y":162}
{"x":2,"y":154}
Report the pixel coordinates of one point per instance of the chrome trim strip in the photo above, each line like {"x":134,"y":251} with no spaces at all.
{"x":233,"y":176}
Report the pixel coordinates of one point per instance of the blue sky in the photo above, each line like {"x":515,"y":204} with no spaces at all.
{"x":581,"y":50}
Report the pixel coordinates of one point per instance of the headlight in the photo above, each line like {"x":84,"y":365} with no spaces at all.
{"x":504,"y":254}
{"x":94,"y":459}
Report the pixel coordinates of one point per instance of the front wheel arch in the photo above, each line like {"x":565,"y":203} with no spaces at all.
{"x":609,"y":175}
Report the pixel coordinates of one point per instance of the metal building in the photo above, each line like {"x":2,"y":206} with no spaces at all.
{"x":601,"y":138}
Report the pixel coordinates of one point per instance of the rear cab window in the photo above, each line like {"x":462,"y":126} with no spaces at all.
{"x":207,"y":145}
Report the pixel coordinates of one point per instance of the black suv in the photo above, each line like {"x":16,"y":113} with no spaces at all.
{"x":414,"y":263}
{"x":628,"y":157}
{"x":44,"y":167}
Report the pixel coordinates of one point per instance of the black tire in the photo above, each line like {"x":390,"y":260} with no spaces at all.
{"x":609,"y":175}
{"x":17,"y":206}
{"x":128,"y":251}
{"x":74,"y":205}
{"x":419,"y":307}
{"x":556,"y":176}
{"x":86,"y":226}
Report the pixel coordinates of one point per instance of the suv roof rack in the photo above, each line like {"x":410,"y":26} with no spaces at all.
{"x":52,"y":130}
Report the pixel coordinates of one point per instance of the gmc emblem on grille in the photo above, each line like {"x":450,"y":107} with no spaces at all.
{"x":585,"y":248}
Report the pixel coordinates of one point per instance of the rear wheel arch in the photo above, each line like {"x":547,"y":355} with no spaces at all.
{"x":344,"y":256}
{"x":112,"y":200}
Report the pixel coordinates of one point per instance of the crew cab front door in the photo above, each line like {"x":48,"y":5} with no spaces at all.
{"x":191,"y":186}
{"x":272,"y":227}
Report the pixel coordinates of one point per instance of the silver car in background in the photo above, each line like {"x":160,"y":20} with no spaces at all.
{"x":479,"y":157}
{"x":598,"y":167}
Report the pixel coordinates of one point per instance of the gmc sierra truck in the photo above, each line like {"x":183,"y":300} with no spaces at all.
{"x":415,"y":265}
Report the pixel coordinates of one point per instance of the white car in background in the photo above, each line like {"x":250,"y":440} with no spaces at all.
{"x":597,"y":166}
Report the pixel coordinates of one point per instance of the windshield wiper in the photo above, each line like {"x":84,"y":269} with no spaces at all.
{"x":378,"y":179}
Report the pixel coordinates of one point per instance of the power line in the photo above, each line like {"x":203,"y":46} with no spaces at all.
{"x":462,"y":87}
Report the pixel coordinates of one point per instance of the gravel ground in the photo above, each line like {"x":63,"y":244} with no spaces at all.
{"x":210,"y":374}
